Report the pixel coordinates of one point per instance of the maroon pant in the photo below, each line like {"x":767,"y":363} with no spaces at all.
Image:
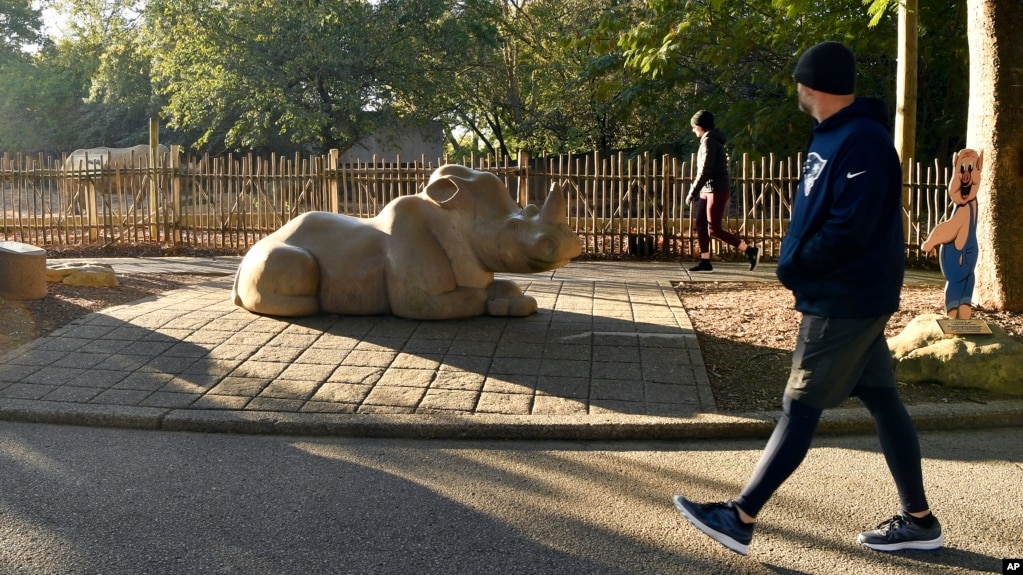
{"x":709,"y":211}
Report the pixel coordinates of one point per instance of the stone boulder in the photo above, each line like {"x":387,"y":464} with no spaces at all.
{"x":924,"y":353}
{"x":82,"y":274}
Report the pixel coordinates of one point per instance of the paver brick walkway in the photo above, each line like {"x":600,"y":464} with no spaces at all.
{"x":594,"y":347}
{"x":611,"y":353}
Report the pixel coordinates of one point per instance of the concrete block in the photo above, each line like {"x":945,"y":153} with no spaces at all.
{"x":22,"y":271}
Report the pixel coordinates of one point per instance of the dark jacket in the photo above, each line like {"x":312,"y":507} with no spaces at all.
{"x":844,"y":252}
{"x":711,"y":163}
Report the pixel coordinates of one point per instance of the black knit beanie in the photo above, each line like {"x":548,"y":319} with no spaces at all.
{"x":827,"y":67}
{"x":703,"y":119}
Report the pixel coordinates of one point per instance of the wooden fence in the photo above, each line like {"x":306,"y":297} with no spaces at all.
{"x":618,"y":204}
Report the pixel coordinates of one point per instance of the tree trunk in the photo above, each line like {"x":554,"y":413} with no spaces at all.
{"x":905,"y":85}
{"x":996,"y":127}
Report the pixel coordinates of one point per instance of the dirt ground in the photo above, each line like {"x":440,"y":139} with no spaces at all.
{"x":746,"y":331}
{"x":23,"y":321}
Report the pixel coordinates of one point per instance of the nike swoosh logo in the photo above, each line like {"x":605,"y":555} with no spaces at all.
{"x":850,"y":175}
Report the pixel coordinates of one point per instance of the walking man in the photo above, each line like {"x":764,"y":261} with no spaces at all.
{"x":843,"y":258}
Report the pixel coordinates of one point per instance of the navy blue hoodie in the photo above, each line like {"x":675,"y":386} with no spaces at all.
{"x":844,"y":253}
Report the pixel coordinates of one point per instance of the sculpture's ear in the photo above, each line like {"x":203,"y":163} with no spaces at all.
{"x":980,"y":160}
{"x":445,"y":190}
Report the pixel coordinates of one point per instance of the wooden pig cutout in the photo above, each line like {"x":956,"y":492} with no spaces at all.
{"x":427,"y":256}
{"x":957,"y":236}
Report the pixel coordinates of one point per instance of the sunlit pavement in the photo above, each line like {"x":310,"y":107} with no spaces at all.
{"x":81,"y":500}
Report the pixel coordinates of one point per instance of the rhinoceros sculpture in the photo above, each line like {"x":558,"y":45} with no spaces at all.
{"x":427,"y":256}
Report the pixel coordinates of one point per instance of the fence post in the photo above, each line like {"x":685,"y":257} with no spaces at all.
{"x":175,"y":166}
{"x":666,"y":231}
{"x":154,"y":141}
{"x":523,"y":177}
{"x":90,"y":198}
{"x":331,"y":175}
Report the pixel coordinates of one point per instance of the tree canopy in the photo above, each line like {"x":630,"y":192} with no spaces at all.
{"x":21,"y":24}
{"x":543,"y":75}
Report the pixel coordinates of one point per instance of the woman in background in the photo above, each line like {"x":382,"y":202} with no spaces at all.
{"x":712,"y":188}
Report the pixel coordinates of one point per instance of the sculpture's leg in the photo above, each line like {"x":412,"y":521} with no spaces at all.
{"x":506,"y":299}
{"x":278,"y":279}
{"x":461,"y":302}
{"x":421,"y":283}
{"x":500,"y":298}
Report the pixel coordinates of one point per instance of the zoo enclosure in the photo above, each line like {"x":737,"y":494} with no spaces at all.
{"x":618,"y":204}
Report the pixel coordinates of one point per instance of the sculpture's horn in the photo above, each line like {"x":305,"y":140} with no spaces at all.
{"x":554,"y":208}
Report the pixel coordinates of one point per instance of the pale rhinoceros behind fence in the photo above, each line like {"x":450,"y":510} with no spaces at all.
{"x":91,"y":166}
{"x":431,"y":255}
{"x":93,"y":159}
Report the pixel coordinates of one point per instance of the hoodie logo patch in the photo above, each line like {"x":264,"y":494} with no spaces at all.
{"x":812,"y":169}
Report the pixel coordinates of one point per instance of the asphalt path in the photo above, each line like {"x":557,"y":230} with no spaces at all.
{"x":82,"y":500}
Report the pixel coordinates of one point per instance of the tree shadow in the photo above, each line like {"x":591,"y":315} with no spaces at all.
{"x":124,"y":502}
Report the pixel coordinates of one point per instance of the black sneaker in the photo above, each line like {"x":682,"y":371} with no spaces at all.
{"x":753,"y":255}
{"x":718,"y":520}
{"x":703,"y":266}
{"x":900,"y":532}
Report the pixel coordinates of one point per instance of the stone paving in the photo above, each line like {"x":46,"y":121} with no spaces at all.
{"x":610,"y":351}
{"x":595,"y":347}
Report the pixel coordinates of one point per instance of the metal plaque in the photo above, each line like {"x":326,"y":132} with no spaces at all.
{"x":964,"y":326}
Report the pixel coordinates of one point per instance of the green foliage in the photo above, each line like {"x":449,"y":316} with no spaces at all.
{"x":18,"y":94}
{"x":877,"y":9}
{"x":20,"y":24}
{"x":577,"y":91}
{"x":943,"y":80}
{"x":19,"y":28}
{"x":41,"y":103}
{"x":736,"y":59}
{"x":300,"y":72}
{"x":544,"y":75}
{"x":88,"y":88}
